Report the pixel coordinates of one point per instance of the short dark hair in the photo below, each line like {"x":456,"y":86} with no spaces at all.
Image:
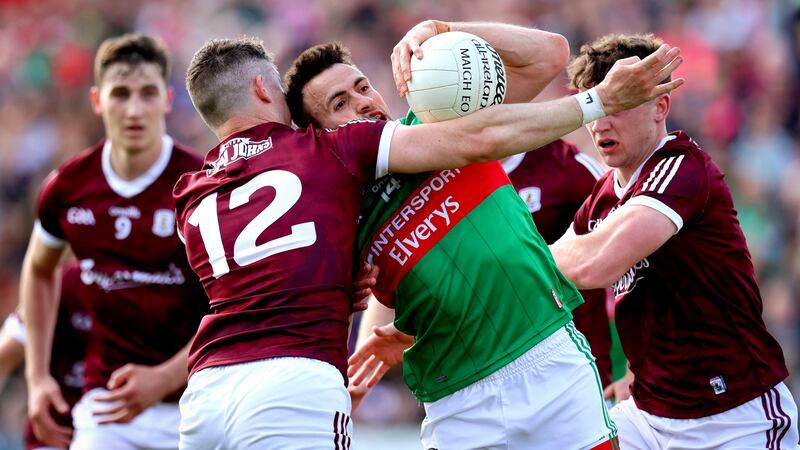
{"x":595,"y":59}
{"x":308,"y":65}
{"x":132,"y":49}
{"x":214,"y":76}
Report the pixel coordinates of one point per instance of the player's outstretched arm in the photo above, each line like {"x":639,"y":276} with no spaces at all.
{"x":625,"y":237}
{"x":39,"y":286}
{"x":503,"y":130}
{"x":133,"y":388}
{"x":382,"y":350}
{"x":532,"y":58}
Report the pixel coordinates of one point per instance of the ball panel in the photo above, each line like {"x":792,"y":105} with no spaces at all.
{"x":433,"y":98}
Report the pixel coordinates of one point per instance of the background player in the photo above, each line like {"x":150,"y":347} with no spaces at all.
{"x":281,"y":302}
{"x":463,"y":359}
{"x":662,"y":230}
{"x":111,"y":206}
{"x":66,"y":366}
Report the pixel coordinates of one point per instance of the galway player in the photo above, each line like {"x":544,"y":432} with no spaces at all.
{"x":553,"y":181}
{"x":467,"y":273}
{"x":661,"y":229}
{"x":270,"y":224}
{"x":111,"y":205}
{"x":69,"y":343}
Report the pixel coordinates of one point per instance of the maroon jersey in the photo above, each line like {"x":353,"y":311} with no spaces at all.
{"x":69,"y":343}
{"x":144,"y":300}
{"x":554,"y":181}
{"x":688,"y":315}
{"x":269,"y":226}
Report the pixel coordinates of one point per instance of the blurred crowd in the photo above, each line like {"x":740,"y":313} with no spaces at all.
{"x":740,"y":102}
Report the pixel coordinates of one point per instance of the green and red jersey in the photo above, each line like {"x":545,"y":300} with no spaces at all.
{"x":466,"y":271}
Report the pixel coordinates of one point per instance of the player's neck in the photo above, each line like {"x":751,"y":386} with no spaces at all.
{"x":239,"y":123}
{"x":624,"y":174}
{"x":130,"y":165}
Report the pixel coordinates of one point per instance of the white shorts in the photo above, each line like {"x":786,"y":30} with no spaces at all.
{"x":270,"y":404}
{"x":766,"y":422}
{"x":548,"y":398}
{"x":154,"y":428}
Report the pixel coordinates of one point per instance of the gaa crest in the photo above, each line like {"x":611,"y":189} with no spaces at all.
{"x":163,"y":222}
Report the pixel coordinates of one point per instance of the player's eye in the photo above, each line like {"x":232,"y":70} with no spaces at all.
{"x":338,"y":105}
{"x":120,"y":93}
{"x":364,"y":88}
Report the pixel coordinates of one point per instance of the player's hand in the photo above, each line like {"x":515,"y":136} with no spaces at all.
{"x":42,"y":394}
{"x":366,"y":280}
{"x":619,"y":390}
{"x":382,"y":350}
{"x":632,"y":81}
{"x":357,"y":393}
{"x":410,"y":45}
{"x":132,"y":389}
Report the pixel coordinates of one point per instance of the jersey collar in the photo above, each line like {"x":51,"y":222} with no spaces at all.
{"x":618,"y":189}
{"x":131,"y":188}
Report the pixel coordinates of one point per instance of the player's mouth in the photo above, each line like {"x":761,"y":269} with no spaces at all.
{"x":134,"y":129}
{"x":377,"y":115}
{"x":606,"y":144}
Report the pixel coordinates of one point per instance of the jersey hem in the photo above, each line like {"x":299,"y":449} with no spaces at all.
{"x":432,"y":396}
{"x":679,"y":412}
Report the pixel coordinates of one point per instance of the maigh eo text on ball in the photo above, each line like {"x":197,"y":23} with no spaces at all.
{"x":486,"y":67}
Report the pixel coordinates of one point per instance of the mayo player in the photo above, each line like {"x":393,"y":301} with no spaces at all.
{"x":111,"y":205}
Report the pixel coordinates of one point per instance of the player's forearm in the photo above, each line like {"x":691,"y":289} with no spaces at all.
{"x":518,"y":46}
{"x":532,"y":57}
{"x":174,"y":370}
{"x":375,"y":315}
{"x":490,"y":134}
{"x":39,"y":302}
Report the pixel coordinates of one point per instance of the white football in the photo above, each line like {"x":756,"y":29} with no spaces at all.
{"x":459,"y":73}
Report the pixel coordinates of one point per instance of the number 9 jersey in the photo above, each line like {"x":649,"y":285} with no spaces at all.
{"x":269,"y":226}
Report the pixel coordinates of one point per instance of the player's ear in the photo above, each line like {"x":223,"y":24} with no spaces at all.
{"x":170,"y":98}
{"x":94,"y":99}
{"x":662,"y":107}
{"x":260,"y":89}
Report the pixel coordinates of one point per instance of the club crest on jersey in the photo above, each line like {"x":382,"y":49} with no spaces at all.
{"x":238,"y":149}
{"x":163,"y":222}
{"x":532,"y":196}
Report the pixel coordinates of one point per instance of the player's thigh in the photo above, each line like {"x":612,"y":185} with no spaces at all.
{"x":550,"y":397}
{"x":155,"y":428}
{"x":568,"y":386}
{"x":768,"y":421}
{"x":272,"y":404}
{"x":202,"y":408}
{"x":292,"y":404}
{"x":633,"y":429}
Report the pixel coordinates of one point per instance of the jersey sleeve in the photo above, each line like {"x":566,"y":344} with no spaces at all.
{"x":363,"y":147}
{"x":677,"y":186}
{"x":48,"y":208}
